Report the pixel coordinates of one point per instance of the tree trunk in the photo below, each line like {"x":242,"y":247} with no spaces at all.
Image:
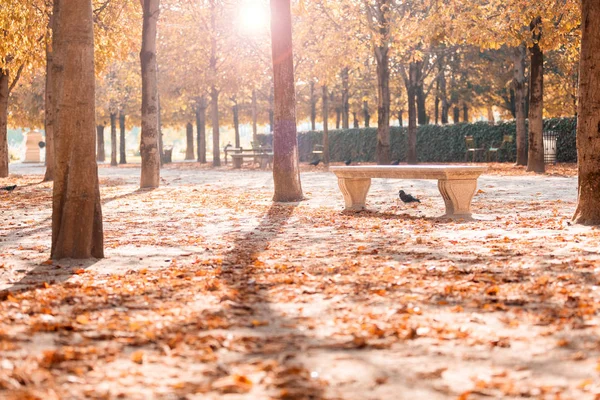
{"x":519,"y":102}
{"x":436,"y":110}
{"x":535,"y":160}
{"x":355,"y":118}
{"x":421,"y":110}
{"x":113,"y":140}
{"x":122,"y":147}
{"x":313,"y":107}
{"x":400,"y":122}
{"x":161,"y":151}
{"x":150,"y":177}
{"x":271,"y":112}
{"x":465,"y":112}
{"x":76,"y":209}
{"x":338,"y":115}
{"x":254,"y":118}
{"x":201,"y":129}
{"x":490,"y":115}
{"x":588,"y":118}
{"x":3,"y":123}
{"x":456,"y":116}
{"x":345,"y":98}
{"x":411,"y":156}
{"x":383,"y":152}
{"x":214,"y":105}
{"x":236,"y":124}
{"x":442,"y":93}
{"x":286,"y":172}
{"x":100,"y":153}
{"x":366,"y":114}
{"x":189,"y":144}
{"x":325,"y":103}
{"x":49,"y":112}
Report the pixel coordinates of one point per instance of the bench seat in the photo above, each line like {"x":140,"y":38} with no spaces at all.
{"x":263,"y":158}
{"x":457,"y":183}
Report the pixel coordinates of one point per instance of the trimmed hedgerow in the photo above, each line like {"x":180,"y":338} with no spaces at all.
{"x":435,"y":143}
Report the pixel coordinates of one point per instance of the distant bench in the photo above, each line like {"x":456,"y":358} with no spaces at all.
{"x":263,"y":159}
{"x":456,"y":183}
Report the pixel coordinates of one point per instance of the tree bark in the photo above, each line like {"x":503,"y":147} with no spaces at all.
{"x":465,"y":112}
{"x":325,"y":104}
{"x":214,"y":104}
{"x":519,"y":54}
{"x":271,"y":112}
{"x":420,"y":92}
{"x":345,"y":98}
{"x":411,"y":156}
{"x":436,"y":110}
{"x":201,"y":129}
{"x":442,"y":92}
{"x":3,"y":123}
{"x":456,"y":116}
{"x":254,"y":118}
{"x":150,"y":177}
{"x":383,"y":152}
{"x":490,"y":115}
{"x":189,"y":144}
{"x":588,"y":118}
{"x":286,"y":171}
{"x":355,"y":118}
{"x":113,"y":139}
{"x":76,"y":209}
{"x":338,"y":119}
{"x":100,"y":153}
{"x":122,"y":147}
{"x":366,"y":114}
{"x":236,"y":124}
{"x":49,"y":112}
{"x":535,"y":160}
{"x":400,"y":122}
{"x":313,"y":107}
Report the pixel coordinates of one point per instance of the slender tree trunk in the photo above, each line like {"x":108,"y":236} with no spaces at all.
{"x":49,"y":112}
{"x":411,"y":156}
{"x":76,"y":209}
{"x":313,"y":107}
{"x":338,"y":115}
{"x":3,"y":123}
{"x":355,"y":118}
{"x":122,"y":147}
{"x":456,"y":116}
{"x":214,"y":104}
{"x":400,"y":122}
{"x":201,"y":129}
{"x":588,"y":118}
{"x":490,"y":115}
{"x":254,"y":118}
{"x":189,"y":142}
{"x":465,"y":112}
{"x":100,"y":153}
{"x":236,"y":124}
{"x":420,"y":92}
{"x":519,"y":102}
{"x":436,"y":111}
{"x":113,"y":139}
{"x":271,"y":108}
{"x":443,"y":92}
{"x":325,"y":104}
{"x":345,"y":98}
{"x":535,"y":160}
{"x":383,"y":153}
{"x":286,"y":171}
{"x":366,"y":114}
{"x":150,"y":177}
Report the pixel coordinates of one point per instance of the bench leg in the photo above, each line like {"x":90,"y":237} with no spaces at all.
{"x":355,"y":192}
{"x":457,"y":194}
{"x":237,"y":162}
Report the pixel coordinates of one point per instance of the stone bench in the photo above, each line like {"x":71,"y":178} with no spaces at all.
{"x":263,"y":159}
{"x":456,"y":183}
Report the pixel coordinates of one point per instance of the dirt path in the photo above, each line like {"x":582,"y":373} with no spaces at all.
{"x":209,"y":290}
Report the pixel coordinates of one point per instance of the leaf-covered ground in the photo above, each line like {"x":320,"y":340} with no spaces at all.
{"x":210,"y":291}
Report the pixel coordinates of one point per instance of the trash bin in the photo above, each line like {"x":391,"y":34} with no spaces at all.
{"x":167,"y":154}
{"x":550,"y":139}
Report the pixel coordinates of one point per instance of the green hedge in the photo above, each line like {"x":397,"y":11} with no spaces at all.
{"x":435,"y":143}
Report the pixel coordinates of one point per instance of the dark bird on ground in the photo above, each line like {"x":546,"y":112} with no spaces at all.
{"x":397,"y":162}
{"x":315,"y":163}
{"x":348,"y":162}
{"x":407,"y":198}
{"x":9,"y":188}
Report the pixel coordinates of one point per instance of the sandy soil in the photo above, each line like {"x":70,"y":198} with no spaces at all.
{"x":209,"y":290}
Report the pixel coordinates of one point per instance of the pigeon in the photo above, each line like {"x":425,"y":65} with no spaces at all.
{"x":407,"y":198}
{"x":397,"y":162}
{"x":315,"y":163}
{"x":348,"y":162}
{"x":9,"y":188}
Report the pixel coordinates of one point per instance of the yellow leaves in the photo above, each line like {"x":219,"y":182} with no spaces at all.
{"x":138,"y":357}
{"x":233,"y":384}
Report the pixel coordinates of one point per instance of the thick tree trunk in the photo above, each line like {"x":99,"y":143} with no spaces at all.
{"x":366,"y":115}
{"x":236,"y":124}
{"x":325,"y":104}
{"x":383,"y":152}
{"x":49,"y":112}
{"x":214,"y":105}
{"x":254,"y":118}
{"x":465,"y":112}
{"x":355,"y":118}
{"x":122,"y":147}
{"x":588,"y":118}
{"x":535,"y":160}
{"x":201,"y":129}
{"x":189,"y":143}
{"x":3,"y":123}
{"x":113,"y":139}
{"x":345,"y":98}
{"x":411,"y":155}
{"x":313,"y":107}
{"x":76,"y":208}
{"x":150,"y":177}
{"x":100,"y":153}
{"x":519,"y":54}
{"x":286,"y":171}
